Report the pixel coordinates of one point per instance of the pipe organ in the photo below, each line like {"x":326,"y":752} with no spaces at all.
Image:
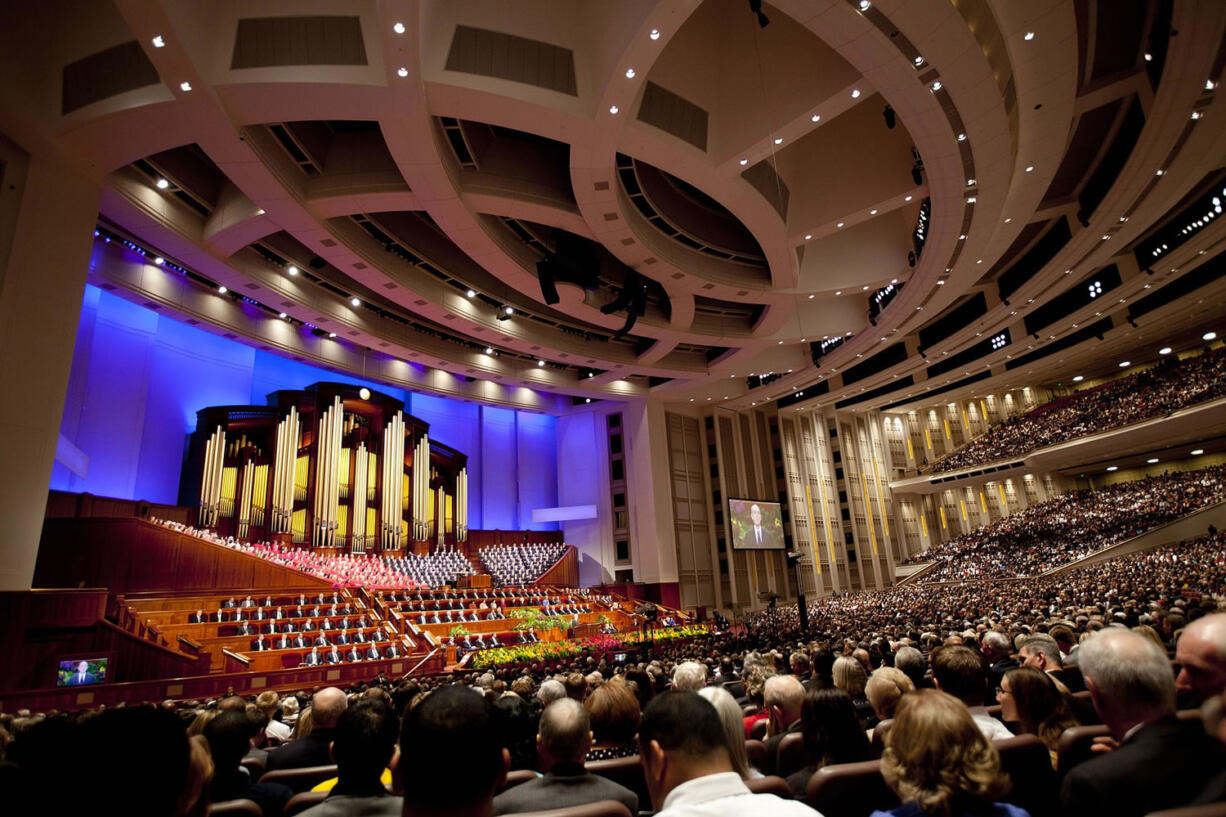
{"x":332,"y":466}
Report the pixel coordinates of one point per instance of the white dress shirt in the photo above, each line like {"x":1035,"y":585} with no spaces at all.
{"x":726,"y":795}
{"x":991,"y":728}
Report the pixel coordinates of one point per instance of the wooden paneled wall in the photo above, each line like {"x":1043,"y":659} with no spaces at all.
{"x":133,"y":556}
{"x":64,"y":504}
{"x":565,"y":573}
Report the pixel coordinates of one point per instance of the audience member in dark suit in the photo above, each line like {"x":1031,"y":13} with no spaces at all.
{"x":230,"y":602}
{"x":451,"y":723}
{"x":342,"y":638}
{"x":392,"y":651}
{"x":333,"y":656}
{"x":562,"y":744}
{"x":784,"y":697}
{"x":197,"y":617}
{"x":1159,"y":762}
{"x":258,"y":645}
{"x":283,"y":643}
{"x":997,"y":651}
{"x":299,"y":641}
{"x":363,"y":745}
{"x":1041,"y":652}
{"x":248,"y":602}
{"x":229,"y":736}
{"x":312,"y":750}
{"x":371,"y":653}
{"x":243,"y":629}
{"x":220,"y":615}
{"x":312,"y":658}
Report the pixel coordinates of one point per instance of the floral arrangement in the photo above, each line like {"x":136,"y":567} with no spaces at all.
{"x":545,"y":651}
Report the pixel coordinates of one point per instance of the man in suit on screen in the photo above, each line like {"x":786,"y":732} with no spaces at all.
{"x":756,"y":536}
{"x":82,"y":676}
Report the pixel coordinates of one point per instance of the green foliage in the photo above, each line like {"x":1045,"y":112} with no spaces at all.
{"x":531,"y":618}
{"x":459,"y":631}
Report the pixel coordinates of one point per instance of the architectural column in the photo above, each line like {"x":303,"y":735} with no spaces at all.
{"x":47,"y":217}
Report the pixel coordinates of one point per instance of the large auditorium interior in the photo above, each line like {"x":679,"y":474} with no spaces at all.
{"x":607,"y":408}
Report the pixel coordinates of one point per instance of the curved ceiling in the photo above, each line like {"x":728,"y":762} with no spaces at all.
{"x":940,"y":187}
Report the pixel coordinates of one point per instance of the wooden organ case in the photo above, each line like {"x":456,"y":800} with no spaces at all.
{"x":334,"y":466}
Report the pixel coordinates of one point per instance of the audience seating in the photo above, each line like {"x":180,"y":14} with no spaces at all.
{"x":624,"y":770}
{"x":302,"y":801}
{"x":1075,"y":744}
{"x":759,"y":729}
{"x":790,"y":756}
{"x":850,"y":790}
{"x":1028,"y":763}
{"x":300,"y":780}
{"x":1209,"y":810}
{"x":601,"y":808}
{"x":516,"y":777}
{"x":770,"y":784}
{"x":756,"y":750}
{"x":254,"y":766}
{"x":880,"y":731}
{"x":236,"y":808}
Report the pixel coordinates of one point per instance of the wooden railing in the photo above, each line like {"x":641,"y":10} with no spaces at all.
{"x":565,"y":571}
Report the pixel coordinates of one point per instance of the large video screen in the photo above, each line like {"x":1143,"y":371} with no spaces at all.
{"x":81,"y":672}
{"x":755,"y":525}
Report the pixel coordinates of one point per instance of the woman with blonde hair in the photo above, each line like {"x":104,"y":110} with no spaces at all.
{"x":939,"y":763}
{"x":849,"y":676}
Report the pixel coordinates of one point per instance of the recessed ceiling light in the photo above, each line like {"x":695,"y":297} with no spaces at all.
{"x":1152,"y":460}
{"x":936,"y":86}
{"x":744,"y":162}
{"x":1165,"y":350}
{"x":1149,"y":57}
{"x":962,"y":237}
{"x":508,"y":310}
{"x":540,"y":363}
{"x":158,"y":42}
{"x":471,"y":293}
{"x":629,"y":73}
{"x":961,"y":137}
{"x":292,"y":270}
{"x":865,"y":5}
{"x":1196,"y":452}
{"x":331,"y":334}
{"x":613,"y":109}
{"x":222,"y":289}
{"x":489,"y":350}
{"x":812,"y":296}
{"x":778,"y":140}
{"x":1159,"y":172}
{"x":1197,"y":114}
{"x":1113,"y":468}
{"x":855,"y":93}
{"x":185,"y":86}
{"x":355,"y":302}
{"x":282,"y":316}
{"x":817,"y":117}
{"x":159,"y":260}
{"x":840,"y":224}
{"x":1210,"y":85}
{"x":872,"y":212}
{"x":1209,"y":336}
{"x":162,"y":184}
{"x":1029,"y":168}
{"x":838,"y":292}
{"x":907,"y":198}
{"x":1124,"y":364}
{"x":655,"y":34}
{"x":1028,"y":36}
{"x":587,"y":399}
{"x":1078,"y":378}
{"x":808,"y":236}
{"x":402,"y":71}
{"x":398,"y":28}
{"x":1008,"y":220}
{"x":866,"y":287}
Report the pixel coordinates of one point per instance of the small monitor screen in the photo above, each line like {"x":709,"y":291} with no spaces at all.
{"x":755,"y":525}
{"x":77,"y":672}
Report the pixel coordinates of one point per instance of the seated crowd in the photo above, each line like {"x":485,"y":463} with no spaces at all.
{"x":1072,"y":525}
{"x":904,"y":674}
{"x":1166,"y":388}
{"x":345,"y":570}
{"x":520,"y":564}
{"x":433,"y":569}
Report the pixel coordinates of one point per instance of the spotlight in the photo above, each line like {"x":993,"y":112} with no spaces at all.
{"x":508,"y":310}
{"x":222,"y":289}
{"x":398,"y":28}
{"x":402,"y":71}
{"x":354,"y":302}
{"x":158,"y":42}
{"x":1165,"y":350}
{"x":489,"y":350}
{"x":282,"y":316}
{"x":332,"y":334}
{"x":755,"y":6}
{"x":471,"y":293}
{"x":163,"y":184}
{"x":185,"y":86}
{"x":540,"y":363}
{"x":159,"y":260}
{"x":1209,"y":336}
{"x":891,"y":118}
{"x":292,"y":270}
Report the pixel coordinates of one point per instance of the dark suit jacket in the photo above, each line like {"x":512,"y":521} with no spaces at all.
{"x":1163,"y":765}
{"x":298,"y":754}
{"x":567,"y":784}
{"x":772,"y":748}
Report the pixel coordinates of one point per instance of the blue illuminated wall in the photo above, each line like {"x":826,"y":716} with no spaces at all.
{"x":138,"y":380}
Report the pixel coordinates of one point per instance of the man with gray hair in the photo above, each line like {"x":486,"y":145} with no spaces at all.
{"x":690,"y":676}
{"x":1042,"y":652}
{"x":912,"y":663}
{"x":1158,"y":761}
{"x":561,"y":746}
{"x":783,"y":696}
{"x":997,"y":650}
{"x":551,"y":690}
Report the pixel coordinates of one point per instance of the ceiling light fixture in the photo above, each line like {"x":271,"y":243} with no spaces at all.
{"x":655,"y":34}
{"x":840,"y":224}
{"x":332,"y":334}
{"x":398,"y":28}
{"x":936,"y":86}
{"x":540,"y":363}
{"x":185,"y":86}
{"x":508,"y":310}
{"x":778,"y":140}
{"x":354,"y":302}
{"x":744,"y":162}
{"x":489,"y":350}
{"x":1209,"y":336}
{"x":1152,"y":460}
{"x":291,"y":269}
{"x":1028,"y":36}
{"x":613,"y":109}
{"x":1113,"y":468}
{"x":1124,"y":364}
{"x":817,"y":117}
{"x":855,"y":93}
{"x":961,"y":137}
{"x":808,"y":236}
{"x":1165,"y":350}
{"x":159,"y":260}
{"x":471,"y":293}
{"x":222,"y":289}
{"x":1196,"y":452}
{"x":282,"y":316}
{"x":162,"y":184}
{"x":402,"y":71}
{"x":629,"y":73}
{"x":158,"y":42}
